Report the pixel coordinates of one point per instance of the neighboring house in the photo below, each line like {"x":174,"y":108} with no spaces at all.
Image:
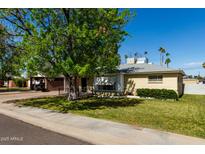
{"x":137,"y":73}
{"x":11,"y":84}
{"x":194,"y":86}
{"x":1,"y":83}
{"x":190,"y":81}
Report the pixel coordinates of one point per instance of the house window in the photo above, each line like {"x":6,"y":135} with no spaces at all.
{"x":155,"y":79}
{"x":105,"y":83}
{"x":106,"y":87}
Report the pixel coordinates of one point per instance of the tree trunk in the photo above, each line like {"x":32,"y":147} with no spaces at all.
{"x":76,"y":87}
{"x":67,"y":87}
{"x":71,"y":88}
{"x":8,"y":83}
{"x":161,"y":59}
{"x":31,"y":83}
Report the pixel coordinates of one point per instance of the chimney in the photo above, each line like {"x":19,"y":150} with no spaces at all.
{"x":131,"y":60}
{"x":142,"y":60}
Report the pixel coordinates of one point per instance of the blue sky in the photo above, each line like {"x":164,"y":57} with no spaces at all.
{"x":180,"y":31}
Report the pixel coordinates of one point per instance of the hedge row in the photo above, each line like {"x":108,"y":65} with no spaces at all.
{"x":157,"y":93}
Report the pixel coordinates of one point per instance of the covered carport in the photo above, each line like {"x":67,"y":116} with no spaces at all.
{"x":43,"y":83}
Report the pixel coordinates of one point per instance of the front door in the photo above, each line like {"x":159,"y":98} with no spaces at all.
{"x":84,"y":84}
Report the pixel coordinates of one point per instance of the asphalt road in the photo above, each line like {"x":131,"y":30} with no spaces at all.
{"x":16,"y":132}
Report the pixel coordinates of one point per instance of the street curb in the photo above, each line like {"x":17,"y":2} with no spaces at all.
{"x":92,"y":137}
{"x":41,"y":123}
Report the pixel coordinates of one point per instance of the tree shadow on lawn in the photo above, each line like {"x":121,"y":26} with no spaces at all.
{"x":64,"y":106}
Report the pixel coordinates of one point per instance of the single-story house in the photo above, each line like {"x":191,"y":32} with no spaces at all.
{"x":136,"y":73}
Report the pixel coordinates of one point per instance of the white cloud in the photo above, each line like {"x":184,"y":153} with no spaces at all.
{"x":193,"y":64}
{"x":194,"y":68}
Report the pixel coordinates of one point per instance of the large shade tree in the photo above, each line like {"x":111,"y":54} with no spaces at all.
{"x":8,"y":56}
{"x":70,"y":42}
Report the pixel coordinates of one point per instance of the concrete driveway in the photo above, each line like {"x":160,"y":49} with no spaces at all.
{"x":6,"y":96}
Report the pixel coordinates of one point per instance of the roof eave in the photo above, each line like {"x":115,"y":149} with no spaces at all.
{"x":158,"y":72}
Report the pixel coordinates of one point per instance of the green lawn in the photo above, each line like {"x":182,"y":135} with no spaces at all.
{"x":186,"y":116}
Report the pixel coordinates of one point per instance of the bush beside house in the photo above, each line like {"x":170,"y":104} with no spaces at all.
{"x":20,"y":82}
{"x":158,"y":93}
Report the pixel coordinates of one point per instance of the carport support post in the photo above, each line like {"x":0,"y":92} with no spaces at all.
{"x":46,"y":83}
{"x":64,"y":85}
{"x":121,"y":83}
{"x":31,"y":83}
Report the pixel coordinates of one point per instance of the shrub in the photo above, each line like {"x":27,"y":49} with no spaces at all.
{"x":20,"y":82}
{"x":157,"y":93}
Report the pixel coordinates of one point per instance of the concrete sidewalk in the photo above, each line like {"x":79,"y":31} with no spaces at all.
{"x":95,"y":131}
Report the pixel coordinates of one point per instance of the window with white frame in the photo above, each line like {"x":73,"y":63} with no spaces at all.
{"x":155,"y":78}
{"x":105,"y":83}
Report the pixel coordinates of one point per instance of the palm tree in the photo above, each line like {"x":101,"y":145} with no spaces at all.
{"x":145,"y":53}
{"x":203,"y":65}
{"x":136,"y":54}
{"x":126,"y":56}
{"x":162,"y":51}
{"x":167,"y":54}
{"x":168,"y":60}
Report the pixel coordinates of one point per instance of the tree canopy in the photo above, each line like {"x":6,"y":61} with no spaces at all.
{"x":8,"y":56}
{"x":69,"y":42}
